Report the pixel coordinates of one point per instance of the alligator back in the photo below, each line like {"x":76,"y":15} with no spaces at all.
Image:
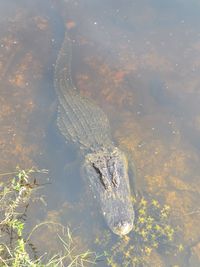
{"x":79,"y":119}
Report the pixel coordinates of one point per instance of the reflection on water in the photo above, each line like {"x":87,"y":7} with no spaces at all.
{"x":140,"y":61}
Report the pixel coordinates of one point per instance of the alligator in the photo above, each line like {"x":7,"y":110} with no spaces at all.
{"x":105,"y":166}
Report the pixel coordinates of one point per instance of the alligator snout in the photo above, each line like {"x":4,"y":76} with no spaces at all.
{"x":123,"y":228}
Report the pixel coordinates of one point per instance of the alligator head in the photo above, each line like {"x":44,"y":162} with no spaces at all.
{"x":106,"y":171}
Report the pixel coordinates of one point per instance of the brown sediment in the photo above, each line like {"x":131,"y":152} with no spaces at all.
{"x":155,"y":61}
{"x":70,"y":24}
{"x":21,"y":77}
{"x":20,"y":74}
{"x":110,"y":87}
{"x":42,"y":23}
{"x":195,"y":255}
{"x":155,"y":259}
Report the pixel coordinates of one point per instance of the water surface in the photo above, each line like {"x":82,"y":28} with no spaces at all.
{"x":140,"y":62}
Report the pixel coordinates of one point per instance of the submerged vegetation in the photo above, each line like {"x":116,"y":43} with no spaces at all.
{"x":16,"y":249}
{"x":152,"y":233}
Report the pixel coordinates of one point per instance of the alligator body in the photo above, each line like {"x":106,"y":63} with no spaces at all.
{"x":104,"y":167}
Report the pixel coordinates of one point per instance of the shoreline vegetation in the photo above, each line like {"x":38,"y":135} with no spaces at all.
{"x":16,"y":249}
{"x":152,"y":231}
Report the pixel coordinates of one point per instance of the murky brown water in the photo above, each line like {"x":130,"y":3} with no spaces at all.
{"x":140,"y":61}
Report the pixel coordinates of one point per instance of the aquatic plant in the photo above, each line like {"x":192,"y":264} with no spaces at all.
{"x":15,"y":193}
{"x":152,"y":233}
{"x":16,"y":249}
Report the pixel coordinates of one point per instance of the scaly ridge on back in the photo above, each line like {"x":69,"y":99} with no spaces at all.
{"x":79,"y":119}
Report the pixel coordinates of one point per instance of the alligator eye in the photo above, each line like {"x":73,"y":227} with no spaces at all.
{"x":104,"y":181}
{"x":96,"y":169}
